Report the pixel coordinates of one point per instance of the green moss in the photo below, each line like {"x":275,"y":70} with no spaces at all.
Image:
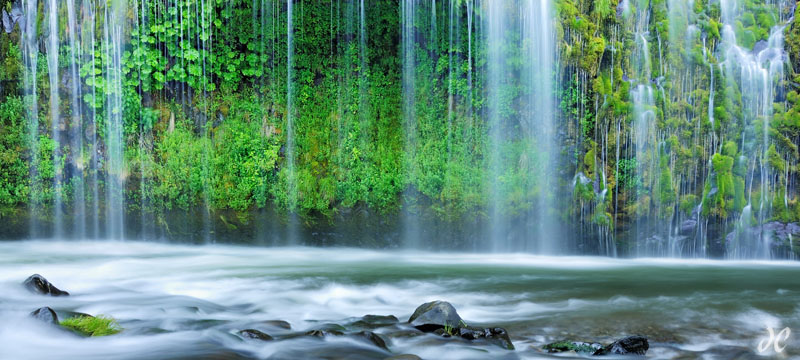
{"x":569,"y":346}
{"x":93,"y":325}
{"x":666,"y":190}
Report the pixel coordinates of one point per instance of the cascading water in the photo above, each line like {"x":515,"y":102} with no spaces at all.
{"x":535,"y":128}
{"x":496,"y":25}
{"x":55,"y":113}
{"x":540,"y":122}
{"x":756,"y":73}
{"x":76,"y":133}
{"x":30,"y":56}
{"x":291,"y":179}
{"x":116,"y":173}
{"x":410,"y":221}
{"x":683,"y":81}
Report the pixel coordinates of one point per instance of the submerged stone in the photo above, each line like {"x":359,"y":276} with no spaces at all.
{"x":323,"y":333}
{"x":38,"y":284}
{"x":254,"y":334}
{"x":45,"y":314}
{"x":278,"y":324}
{"x":375,"y":321}
{"x":404,"y":357}
{"x":631,"y":345}
{"x":372,"y":338}
{"x":326,"y":329}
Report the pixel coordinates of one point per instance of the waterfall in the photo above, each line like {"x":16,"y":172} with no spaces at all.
{"x":644,"y":134}
{"x":497,"y":26}
{"x":116,"y":173}
{"x":411,"y":227}
{"x":539,"y":30}
{"x":291,"y":181}
{"x":76,"y":128}
{"x":536,"y":124}
{"x":30,"y":56}
{"x":55,"y":114}
{"x":756,"y":73}
{"x":89,"y":28}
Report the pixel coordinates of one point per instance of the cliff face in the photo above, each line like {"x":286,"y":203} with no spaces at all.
{"x":666,"y":128}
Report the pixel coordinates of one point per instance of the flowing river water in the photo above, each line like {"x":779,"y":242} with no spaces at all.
{"x":182,"y":301}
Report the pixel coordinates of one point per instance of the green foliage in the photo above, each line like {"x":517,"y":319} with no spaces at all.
{"x":666,"y":191}
{"x":92,"y":325}
{"x":626,"y":174}
{"x":13,"y":168}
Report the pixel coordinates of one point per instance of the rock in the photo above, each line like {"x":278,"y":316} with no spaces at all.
{"x":323,"y":333}
{"x":372,"y":338}
{"x":499,"y":337}
{"x":45,"y":314}
{"x":278,"y":324}
{"x":435,"y":315}
{"x":254,"y":334}
{"x":38,"y":284}
{"x":441,"y":318}
{"x":760,"y":46}
{"x":326,"y":329}
{"x":404,"y":357}
{"x":631,"y":345}
{"x":375,"y":321}
{"x":576,"y":346}
{"x":688,"y":227}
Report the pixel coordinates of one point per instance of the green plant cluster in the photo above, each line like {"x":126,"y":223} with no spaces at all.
{"x":99,"y":325}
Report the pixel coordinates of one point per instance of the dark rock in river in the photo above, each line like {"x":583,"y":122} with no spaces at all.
{"x":497,"y":336}
{"x":278,"y":324}
{"x":375,"y":321}
{"x":326,"y":329}
{"x":254,"y":334}
{"x":404,"y":357}
{"x":435,"y":315}
{"x":631,"y":345}
{"x":38,"y":284}
{"x":45,"y":314}
{"x":576,"y":346}
{"x":441,"y":318}
{"x":372,"y":338}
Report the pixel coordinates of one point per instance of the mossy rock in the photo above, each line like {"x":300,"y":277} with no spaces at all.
{"x":576,"y":346}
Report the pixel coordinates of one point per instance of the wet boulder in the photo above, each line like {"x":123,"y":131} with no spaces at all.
{"x":435,"y":315}
{"x":254,"y":335}
{"x":496,"y":336}
{"x":404,"y":357}
{"x":46,"y":315}
{"x":281,"y":324}
{"x":631,"y":345}
{"x":371,"y":338}
{"x":375,"y":321}
{"x":441,"y":318}
{"x":326,"y":330}
{"x":38,"y":284}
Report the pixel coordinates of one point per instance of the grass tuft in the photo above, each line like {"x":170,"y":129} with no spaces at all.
{"x":93,"y":325}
